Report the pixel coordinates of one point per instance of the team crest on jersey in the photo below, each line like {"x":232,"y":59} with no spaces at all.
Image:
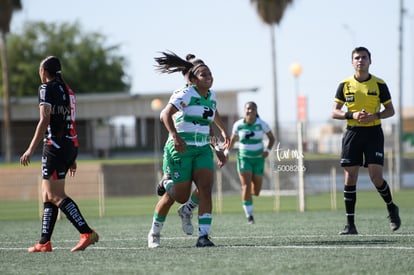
{"x":176,"y":174}
{"x":349,"y":88}
{"x":374,"y":92}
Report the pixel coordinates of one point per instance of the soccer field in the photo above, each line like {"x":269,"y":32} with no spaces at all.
{"x":284,"y":242}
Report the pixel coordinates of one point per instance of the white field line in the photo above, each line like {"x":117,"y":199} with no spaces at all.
{"x":270,"y":247}
{"x":141,"y":244}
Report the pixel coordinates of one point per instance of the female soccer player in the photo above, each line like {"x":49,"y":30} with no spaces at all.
{"x":185,"y":211}
{"x":187,"y":153}
{"x":56,"y":126}
{"x":249,"y":131}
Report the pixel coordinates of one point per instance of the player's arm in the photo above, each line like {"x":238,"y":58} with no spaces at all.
{"x":219,"y":122}
{"x":44,"y":113}
{"x":233,"y":140}
{"x":387,"y":112}
{"x":271,"y":142}
{"x":167,"y":114}
{"x":337,"y":112}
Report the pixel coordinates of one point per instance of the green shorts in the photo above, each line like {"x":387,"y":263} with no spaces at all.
{"x":180,"y":166}
{"x":253,"y":165}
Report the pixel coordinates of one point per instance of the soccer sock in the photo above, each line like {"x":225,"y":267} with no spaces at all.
{"x":385,"y":193}
{"x":204,"y":224}
{"x":157,"y":223}
{"x":50,"y":213}
{"x":192,"y":203}
{"x":248,"y":208}
{"x":73,"y":214}
{"x":350,"y":201}
{"x":168,"y":183}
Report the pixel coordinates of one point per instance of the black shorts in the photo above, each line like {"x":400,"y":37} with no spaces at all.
{"x":362,"y":146}
{"x":57,"y":158}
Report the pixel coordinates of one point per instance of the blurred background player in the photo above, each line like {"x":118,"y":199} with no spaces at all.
{"x":249,"y":132}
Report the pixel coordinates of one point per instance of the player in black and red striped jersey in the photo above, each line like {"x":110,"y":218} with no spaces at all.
{"x":56,"y":127}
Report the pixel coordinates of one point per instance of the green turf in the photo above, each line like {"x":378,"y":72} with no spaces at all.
{"x":133,"y":206}
{"x":284,"y":242}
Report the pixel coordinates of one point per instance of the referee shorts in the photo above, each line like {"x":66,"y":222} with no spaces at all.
{"x":362,"y":146}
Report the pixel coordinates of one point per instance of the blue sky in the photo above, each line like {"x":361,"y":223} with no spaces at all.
{"x":229,"y":36}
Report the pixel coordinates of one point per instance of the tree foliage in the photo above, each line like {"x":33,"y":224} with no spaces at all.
{"x":271,"y":11}
{"x":87,"y":65}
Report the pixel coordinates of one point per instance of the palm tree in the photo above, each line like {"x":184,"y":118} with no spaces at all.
{"x":6,"y":10}
{"x":271,"y":13}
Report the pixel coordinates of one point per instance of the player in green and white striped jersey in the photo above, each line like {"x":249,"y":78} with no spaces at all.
{"x":187,"y":153}
{"x":249,"y":132}
{"x":185,"y":211}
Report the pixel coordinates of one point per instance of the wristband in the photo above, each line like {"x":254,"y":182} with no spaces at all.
{"x":226,"y":152}
{"x":349,"y":115}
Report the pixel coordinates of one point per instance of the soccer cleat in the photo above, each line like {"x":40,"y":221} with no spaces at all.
{"x":160,"y":187}
{"x":187,"y":225}
{"x":204,"y":241}
{"x":349,"y":230}
{"x":153,"y":240}
{"x":86,"y":240}
{"x":250,"y":220}
{"x":47,"y":247}
{"x":394,"y":217}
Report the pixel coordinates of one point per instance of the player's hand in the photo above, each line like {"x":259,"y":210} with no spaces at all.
{"x":265,"y":154}
{"x":179,"y":144}
{"x":25,"y":158}
{"x":72,"y":169}
{"x":222,"y":159}
{"x":226,"y":141}
{"x":364,"y":117}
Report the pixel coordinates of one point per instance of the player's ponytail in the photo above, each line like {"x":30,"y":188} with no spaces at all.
{"x":52,"y":65}
{"x":171,"y":63}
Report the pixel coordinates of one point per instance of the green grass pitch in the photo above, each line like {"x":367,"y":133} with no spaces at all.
{"x":281,"y":242}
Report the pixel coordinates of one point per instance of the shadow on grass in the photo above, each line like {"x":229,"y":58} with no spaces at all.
{"x":327,"y":243}
{"x":345,"y":242}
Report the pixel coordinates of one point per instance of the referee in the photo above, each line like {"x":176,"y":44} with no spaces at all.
{"x":363,"y":141}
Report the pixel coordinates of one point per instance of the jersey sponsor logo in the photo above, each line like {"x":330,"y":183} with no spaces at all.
{"x":350,"y":99}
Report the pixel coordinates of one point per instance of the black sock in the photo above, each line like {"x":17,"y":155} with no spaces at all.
{"x":49,"y":217}
{"x":350,"y":201}
{"x":73,"y":214}
{"x":385,"y":193}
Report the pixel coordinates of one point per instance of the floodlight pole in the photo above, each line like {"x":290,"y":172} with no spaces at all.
{"x":398,"y":137}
